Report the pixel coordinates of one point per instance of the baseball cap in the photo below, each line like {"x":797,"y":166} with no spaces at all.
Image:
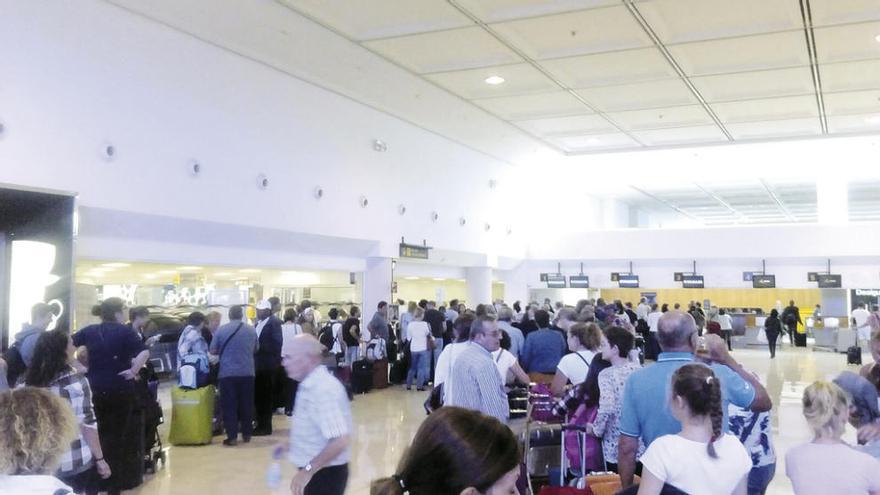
{"x":264,"y":304}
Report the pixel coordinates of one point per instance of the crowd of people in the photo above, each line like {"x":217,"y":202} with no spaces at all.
{"x":689,"y":419}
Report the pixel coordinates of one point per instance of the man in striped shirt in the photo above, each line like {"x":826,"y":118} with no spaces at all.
{"x":320,"y":436}
{"x":477,"y":382}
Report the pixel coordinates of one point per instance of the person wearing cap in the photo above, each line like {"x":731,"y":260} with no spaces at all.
{"x":266,"y":363}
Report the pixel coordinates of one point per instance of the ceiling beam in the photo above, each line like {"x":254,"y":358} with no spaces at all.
{"x":807,"y":17}
{"x":778,"y":201}
{"x":634,"y":11}
{"x":667,"y":204}
{"x":720,"y":201}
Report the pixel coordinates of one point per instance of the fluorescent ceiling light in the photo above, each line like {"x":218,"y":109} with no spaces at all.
{"x":167,"y":272}
{"x":189,"y":268}
{"x":410,"y":278}
{"x":439,"y":279}
{"x":222,"y":274}
{"x":150,"y":276}
{"x":250,"y":270}
{"x":116,"y":265}
{"x":877,"y":38}
{"x":494,"y":80}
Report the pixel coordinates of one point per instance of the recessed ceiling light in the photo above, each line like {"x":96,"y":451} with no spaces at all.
{"x":439,"y":279}
{"x":249,"y":270}
{"x":494,"y":80}
{"x":115,"y":265}
{"x":877,"y":38}
{"x":189,"y":268}
{"x":167,"y":272}
{"x":410,"y":278}
{"x":150,"y":276}
{"x":222,"y":274}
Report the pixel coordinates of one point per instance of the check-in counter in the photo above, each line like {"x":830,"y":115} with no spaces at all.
{"x":831,"y":336}
{"x":748,"y":330}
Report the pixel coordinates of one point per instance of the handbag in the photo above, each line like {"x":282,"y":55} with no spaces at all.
{"x":214,"y":372}
{"x":431,"y":343}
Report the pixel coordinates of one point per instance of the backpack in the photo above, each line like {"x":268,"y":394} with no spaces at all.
{"x":15,"y":366}
{"x":325,"y":337}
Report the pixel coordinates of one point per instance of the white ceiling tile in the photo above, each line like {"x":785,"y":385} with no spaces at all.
{"x":654,"y":94}
{"x":603,"y":69}
{"x":582,"y":124}
{"x":850,"y":76}
{"x":440,"y":51}
{"x":680,"y":21}
{"x":825,"y":12}
{"x":848,"y":42}
{"x":575,"y":33}
{"x":741,"y":54}
{"x":775,"y":129}
{"x":756,"y":84}
{"x":595,"y":142}
{"x":556,"y":104}
{"x":519,"y":79}
{"x":362,"y":20}
{"x":856,"y":102}
{"x":506,"y":10}
{"x":637,"y":120}
{"x":681,"y":135}
{"x":786,"y":107}
{"x":841,"y":124}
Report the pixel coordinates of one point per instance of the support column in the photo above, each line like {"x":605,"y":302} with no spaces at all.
{"x":479,"y":285}
{"x":832,"y":200}
{"x":516,"y":286}
{"x":377,"y":285}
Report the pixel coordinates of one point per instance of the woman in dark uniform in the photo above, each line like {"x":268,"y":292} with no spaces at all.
{"x":115,"y":355}
{"x":773,"y":328}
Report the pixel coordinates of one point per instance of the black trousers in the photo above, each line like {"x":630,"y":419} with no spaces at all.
{"x":121,"y":427}
{"x":726,"y":335}
{"x":771,"y":342}
{"x":264,"y":390}
{"x":237,"y":402}
{"x":328,"y":481}
{"x":85,"y":482}
{"x":290,"y":387}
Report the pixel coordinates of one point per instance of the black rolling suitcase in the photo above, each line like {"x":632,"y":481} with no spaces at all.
{"x":854,"y":355}
{"x":361,"y":376}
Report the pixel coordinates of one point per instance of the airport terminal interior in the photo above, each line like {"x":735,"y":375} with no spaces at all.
{"x":308,"y":157}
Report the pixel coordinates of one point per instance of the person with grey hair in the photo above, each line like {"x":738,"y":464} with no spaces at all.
{"x":320,"y":434}
{"x":645,"y":412}
{"x":234,"y":346}
{"x":478,"y":385}
{"x":517,"y":339}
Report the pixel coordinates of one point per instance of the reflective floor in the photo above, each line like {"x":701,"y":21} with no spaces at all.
{"x":385,"y":421}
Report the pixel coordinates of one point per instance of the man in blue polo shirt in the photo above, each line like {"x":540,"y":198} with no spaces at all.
{"x":645,"y":413}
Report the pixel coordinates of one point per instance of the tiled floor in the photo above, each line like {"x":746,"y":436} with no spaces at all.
{"x":385,"y":422}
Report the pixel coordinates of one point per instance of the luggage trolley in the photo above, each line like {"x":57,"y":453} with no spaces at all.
{"x":542,"y":437}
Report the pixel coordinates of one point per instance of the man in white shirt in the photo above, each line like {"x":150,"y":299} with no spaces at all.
{"x":860,"y":322}
{"x":320,"y":434}
{"x":643,"y":309}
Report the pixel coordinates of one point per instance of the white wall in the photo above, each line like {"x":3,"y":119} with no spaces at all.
{"x":79,"y":74}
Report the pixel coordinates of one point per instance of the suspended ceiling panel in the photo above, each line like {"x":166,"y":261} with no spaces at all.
{"x":639,"y":73}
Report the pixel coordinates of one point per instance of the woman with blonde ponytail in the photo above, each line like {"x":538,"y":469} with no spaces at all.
{"x":700,"y":458}
{"x":828,"y":464}
{"x":456,"y":452}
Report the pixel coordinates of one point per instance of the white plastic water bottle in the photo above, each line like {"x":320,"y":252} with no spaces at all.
{"x":273,"y":476}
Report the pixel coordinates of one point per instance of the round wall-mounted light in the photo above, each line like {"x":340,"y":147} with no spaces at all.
{"x":435,"y":216}
{"x":195,"y":168}
{"x":380,"y":146}
{"x":493,"y":184}
{"x":487,"y":227}
{"x":401,"y":209}
{"x":509,"y":230}
{"x":318,"y":192}
{"x":108,"y":151}
{"x":262,"y":181}
{"x":462,"y":221}
{"x":363,"y":201}
{"x":2,"y":129}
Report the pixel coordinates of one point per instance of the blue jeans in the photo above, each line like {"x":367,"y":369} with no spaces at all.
{"x":760,"y":477}
{"x":351,"y":354}
{"x":420,"y":363}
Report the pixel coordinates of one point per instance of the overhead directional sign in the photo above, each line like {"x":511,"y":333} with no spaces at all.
{"x":764,"y":281}
{"x":627,"y":281}
{"x":579,"y":282}
{"x":556,"y":282}
{"x":692,"y":282}
{"x":829,"y":281}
